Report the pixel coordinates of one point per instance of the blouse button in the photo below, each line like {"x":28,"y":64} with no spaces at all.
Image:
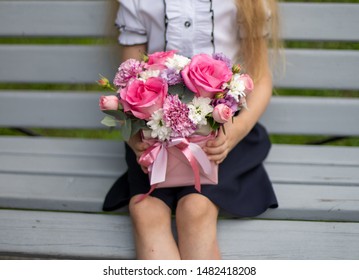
{"x":187,"y":24}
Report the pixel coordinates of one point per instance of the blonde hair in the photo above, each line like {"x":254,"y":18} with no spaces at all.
{"x":254,"y":20}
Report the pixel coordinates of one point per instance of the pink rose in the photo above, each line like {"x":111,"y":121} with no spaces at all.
{"x":248,"y":83}
{"x":158,"y":59}
{"x":143,"y":98}
{"x":205,"y":75}
{"x":110,"y":102}
{"x":222,"y":113}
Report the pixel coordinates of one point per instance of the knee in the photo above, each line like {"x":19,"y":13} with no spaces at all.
{"x":196,"y":209}
{"x":148,"y":213}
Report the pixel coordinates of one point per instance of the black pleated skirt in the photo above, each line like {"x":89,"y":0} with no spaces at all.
{"x":243,"y":190}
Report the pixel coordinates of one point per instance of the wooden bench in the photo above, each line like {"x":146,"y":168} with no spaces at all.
{"x":52,"y":188}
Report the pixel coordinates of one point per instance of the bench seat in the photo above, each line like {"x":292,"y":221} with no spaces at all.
{"x":98,"y":236}
{"x":75,"y":174}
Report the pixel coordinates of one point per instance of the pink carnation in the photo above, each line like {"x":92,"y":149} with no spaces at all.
{"x":176,"y":116}
{"x":128,"y":70}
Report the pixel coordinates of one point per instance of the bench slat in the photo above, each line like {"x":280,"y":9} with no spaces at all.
{"x":56,"y":18}
{"x":314,"y":155}
{"x":299,"y":154}
{"x":312,"y":115}
{"x":86,"y":194}
{"x":320,"y":21}
{"x":53,"y":192}
{"x":62,"y":165}
{"x":111,"y":167}
{"x":285,"y":115}
{"x":301,"y":21}
{"x":64,"y":235}
{"x":61,"y":146}
{"x":314,"y":69}
{"x":57,"y":63}
{"x":83,"y":64}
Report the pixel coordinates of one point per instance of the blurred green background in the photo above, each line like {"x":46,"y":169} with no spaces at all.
{"x":113,"y":134}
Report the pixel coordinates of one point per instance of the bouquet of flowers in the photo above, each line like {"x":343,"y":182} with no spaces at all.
{"x":173,"y":100}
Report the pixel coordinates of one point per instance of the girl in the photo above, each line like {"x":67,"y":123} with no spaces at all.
{"x":239,"y":29}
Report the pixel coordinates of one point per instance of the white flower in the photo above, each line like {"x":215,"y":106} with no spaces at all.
{"x":199,"y":108}
{"x":148,"y":74}
{"x":157,"y":125}
{"x":177,"y":62}
{"x":236,"y":87}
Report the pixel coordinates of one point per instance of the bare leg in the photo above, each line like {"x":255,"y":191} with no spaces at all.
{"x":151,"y":220}
{"x":196,"y":219}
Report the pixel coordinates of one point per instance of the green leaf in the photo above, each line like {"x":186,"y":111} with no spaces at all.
{"x":119,"y":115}
{"x":137,"y":125}
{"x":109,"y":121}
{"x":126,"y":129}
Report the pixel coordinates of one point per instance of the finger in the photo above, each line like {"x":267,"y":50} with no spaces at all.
{"x":217,"y":158}
{"x":141,"y":146}
{"x":216,"y":149}
{"x":219,"y":141}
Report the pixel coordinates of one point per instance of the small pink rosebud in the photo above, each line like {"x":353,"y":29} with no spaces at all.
{"x":222,"y":113}
{"x":248,"y":83}
{"x":110,"y":102}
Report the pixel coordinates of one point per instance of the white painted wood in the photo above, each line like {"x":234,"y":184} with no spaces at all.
{"x":312,"y":115}
{"x":94,"y":166}
{"x":315,"y":202}
{"x":285,"y":115}
{"x":314,"y":155}
{"x":301,"y":21}
{"x":311,"y":182}
{"x":86,"y":194}
{"x":318,"y":69}
{"x":51,"y":109}
{"x":61,"y":146}
{"x":320,"y":21}
{"x":64,"y":235}
{"x":82,"y":64}
{"x":91,"y":166}
{"x":57,"y":18}
{"x":54,"y":192}
{"x":57,"y":63}
{"x":292,"y":240}
{"x":293,"y":154}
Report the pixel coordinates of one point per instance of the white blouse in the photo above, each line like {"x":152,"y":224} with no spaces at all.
{"x":189,"y":26}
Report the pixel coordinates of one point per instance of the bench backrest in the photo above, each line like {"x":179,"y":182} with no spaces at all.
{"x":80,"y":62}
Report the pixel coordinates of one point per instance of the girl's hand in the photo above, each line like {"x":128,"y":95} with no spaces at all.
{"x":218,"y":148}
{"x":138,"y":147}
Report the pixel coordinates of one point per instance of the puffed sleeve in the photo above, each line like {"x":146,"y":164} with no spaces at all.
{"x":128,"y":21}
{"x":266,"y":28}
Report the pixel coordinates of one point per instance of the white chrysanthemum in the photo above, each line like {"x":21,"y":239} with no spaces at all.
{"x":149,"y":74}
{"x":199,"y":108}
{"x":236,"y":87}
{"x":177,"y":62}
{"x":157,"y":126}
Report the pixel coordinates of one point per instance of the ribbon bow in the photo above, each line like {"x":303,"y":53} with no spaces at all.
{"x":156,"y":156}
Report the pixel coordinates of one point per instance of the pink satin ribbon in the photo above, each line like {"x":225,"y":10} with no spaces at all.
{"x":155,"y":159}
